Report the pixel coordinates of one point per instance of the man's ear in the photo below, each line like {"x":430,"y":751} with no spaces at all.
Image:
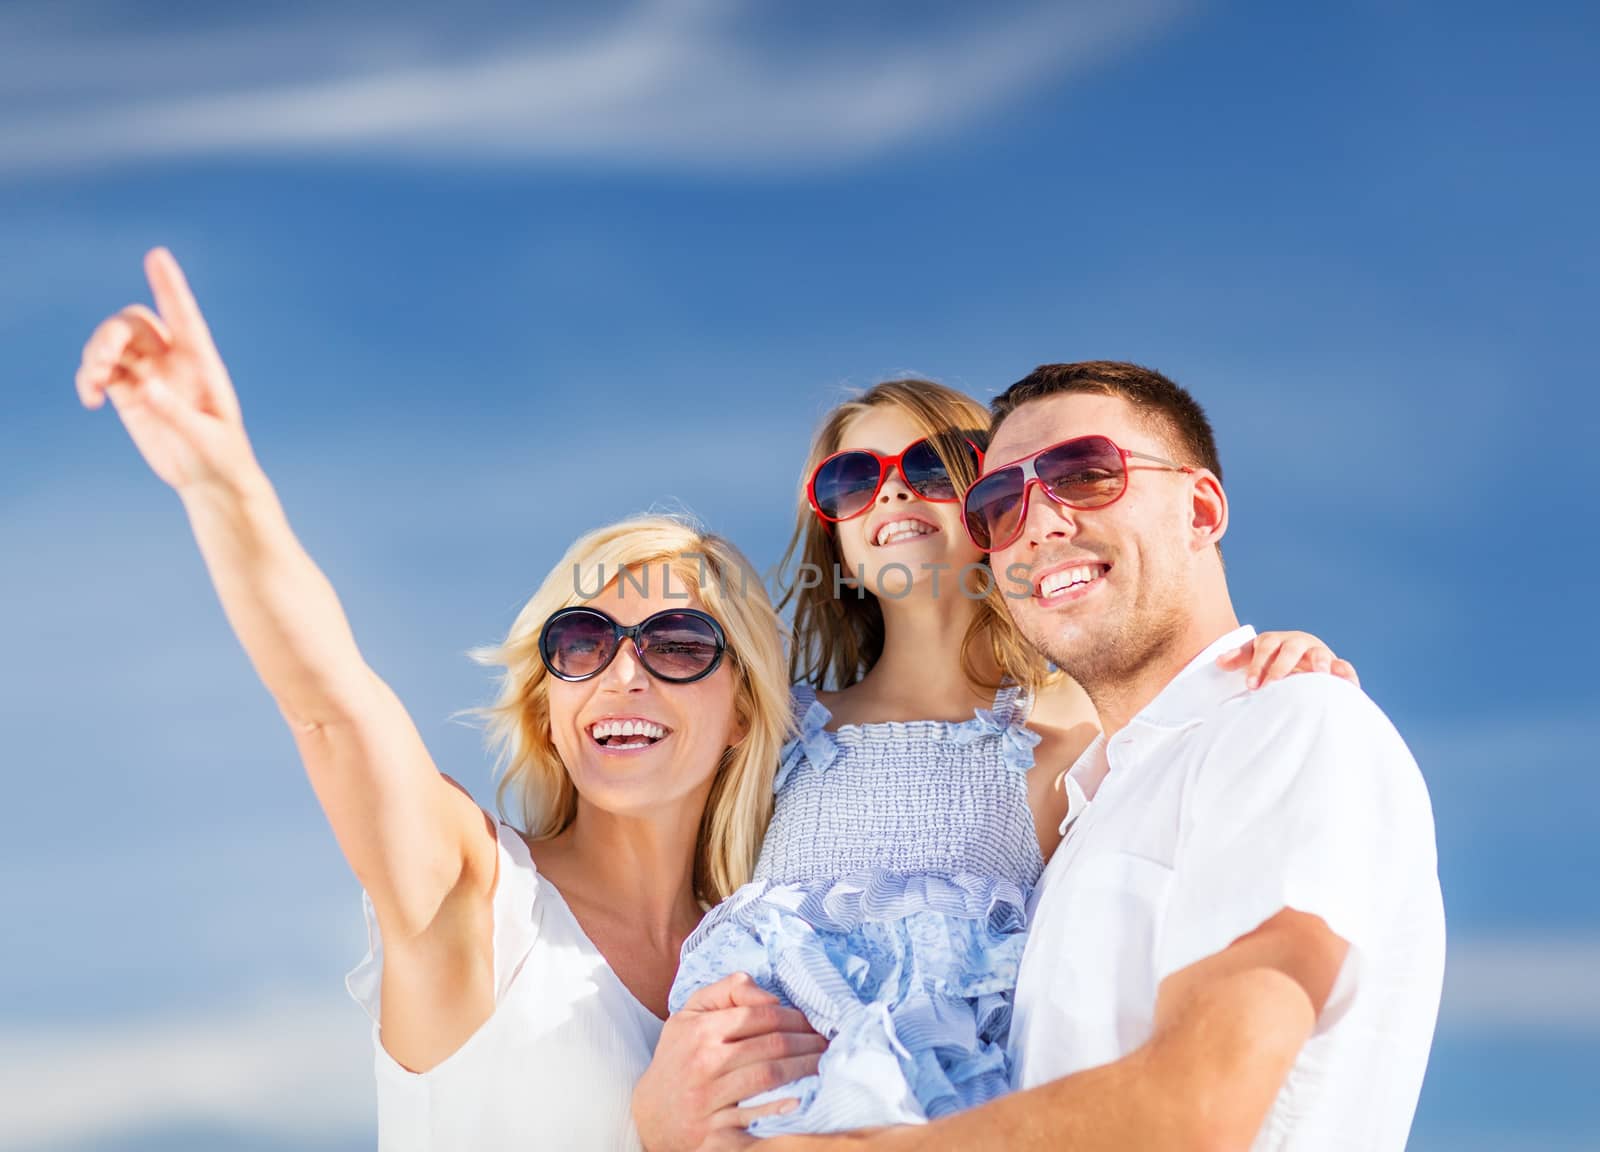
{"x":1208,"y":518}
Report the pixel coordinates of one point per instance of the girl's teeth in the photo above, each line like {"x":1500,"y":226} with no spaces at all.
{"x":897,"y":530}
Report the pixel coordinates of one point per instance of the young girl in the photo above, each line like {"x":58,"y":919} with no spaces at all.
{"x":910,"y":821}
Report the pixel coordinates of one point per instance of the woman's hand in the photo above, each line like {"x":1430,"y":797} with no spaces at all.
{"x":164,"y":377}
{"x":1274,"y":655}
{"x":731,"y":1041}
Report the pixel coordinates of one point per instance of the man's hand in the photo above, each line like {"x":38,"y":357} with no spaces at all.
{"x":731,"y":1041}
{"x":1228,"y":1029}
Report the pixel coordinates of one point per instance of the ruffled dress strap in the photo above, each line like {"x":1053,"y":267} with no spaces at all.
{"x":1008,"y":719}
{"x":813,"y":744}
{"x":1011,"y":705}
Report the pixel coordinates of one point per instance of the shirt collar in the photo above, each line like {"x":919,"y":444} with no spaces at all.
{"x":1201,"y":685}
{"x":1184,"y":701}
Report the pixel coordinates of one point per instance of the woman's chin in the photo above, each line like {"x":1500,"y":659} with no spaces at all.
{"x":637,"y":784}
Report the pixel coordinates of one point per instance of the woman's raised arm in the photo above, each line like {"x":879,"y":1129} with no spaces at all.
{"x":412,"y":838}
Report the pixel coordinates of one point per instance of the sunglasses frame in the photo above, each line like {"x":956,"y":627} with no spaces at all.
{"x":885,"y":463}
{"x":1027,"y":465}
{"x":621,"y":632}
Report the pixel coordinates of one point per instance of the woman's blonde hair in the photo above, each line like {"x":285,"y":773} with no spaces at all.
{"x":837,"y":639}
{"x":518,"y":722}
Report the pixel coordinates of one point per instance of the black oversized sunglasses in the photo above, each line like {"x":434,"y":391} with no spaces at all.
{"x":679,"y":645}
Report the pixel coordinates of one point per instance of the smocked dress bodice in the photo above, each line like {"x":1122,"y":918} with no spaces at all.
{"x":919,"y":796}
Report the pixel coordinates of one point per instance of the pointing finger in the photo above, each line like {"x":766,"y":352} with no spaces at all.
{"x":190,"y":332}
{"x":176,"y":302}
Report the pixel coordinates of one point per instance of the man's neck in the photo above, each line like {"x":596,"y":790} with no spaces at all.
{"x":1118,"y":702}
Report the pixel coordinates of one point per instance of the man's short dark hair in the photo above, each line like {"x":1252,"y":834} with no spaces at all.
{"x":1176,"y":415}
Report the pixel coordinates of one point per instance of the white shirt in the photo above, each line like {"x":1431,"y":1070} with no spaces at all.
{"x":1212,"y":811}
{"x":553,"y":1067}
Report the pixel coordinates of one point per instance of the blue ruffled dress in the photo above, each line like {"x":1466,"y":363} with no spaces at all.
{"x":888,"y":906}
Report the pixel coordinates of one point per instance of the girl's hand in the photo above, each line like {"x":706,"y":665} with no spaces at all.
{"x":1274,"y":655}
{"x":168,"y":384}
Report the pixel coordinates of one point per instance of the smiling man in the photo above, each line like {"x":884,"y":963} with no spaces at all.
{"x":1240,"y":942}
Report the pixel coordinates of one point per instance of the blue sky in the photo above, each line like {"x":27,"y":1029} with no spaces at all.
{"x":487,"y":280}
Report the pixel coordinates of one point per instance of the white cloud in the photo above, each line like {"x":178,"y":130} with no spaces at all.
{"x":298,"y":1068}
{"x":1522,"y":985}
{"x":682,"y":82}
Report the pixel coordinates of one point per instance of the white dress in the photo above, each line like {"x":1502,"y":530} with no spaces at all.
{"x":553,"y":1067}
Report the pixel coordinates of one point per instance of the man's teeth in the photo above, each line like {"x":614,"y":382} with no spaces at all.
{"x":1069,"y":577}
{"x":897,"y":530}
{"x":627,"y":733}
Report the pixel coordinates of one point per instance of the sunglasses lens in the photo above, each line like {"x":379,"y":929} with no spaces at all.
{"x":845,"y":484}
{"x":679,"y":646}
{"x":1086,"y":473}
{"x":925,"y":473}
{"x":994,"y":508}
{"x":578,"y":644}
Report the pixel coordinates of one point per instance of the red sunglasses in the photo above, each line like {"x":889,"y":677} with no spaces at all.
{"x":1083,"y":473}
{"x":846,"y":483}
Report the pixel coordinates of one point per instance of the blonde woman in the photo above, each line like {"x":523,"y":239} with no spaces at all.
{"x":517,"y":977}
{"x":915,"y":808}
